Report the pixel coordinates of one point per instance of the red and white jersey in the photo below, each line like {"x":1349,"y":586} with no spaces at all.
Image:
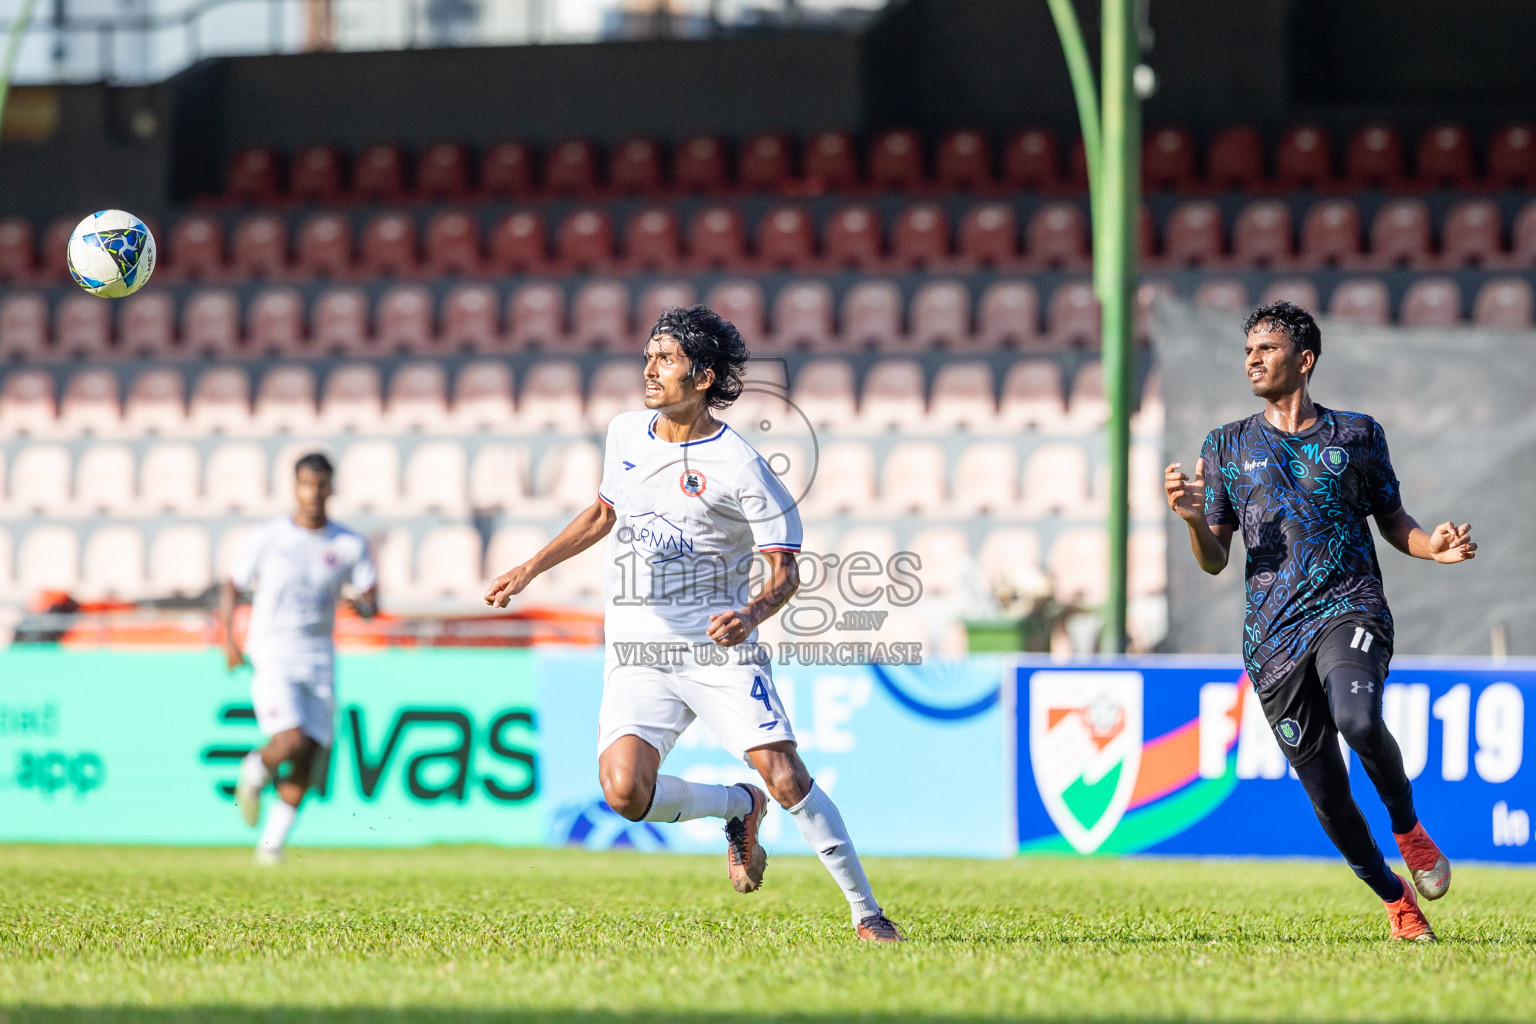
{"x":689,"y":516}
{"x":298,"y":575}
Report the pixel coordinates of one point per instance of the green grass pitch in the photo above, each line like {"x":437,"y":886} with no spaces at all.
{"x":475,"y":935}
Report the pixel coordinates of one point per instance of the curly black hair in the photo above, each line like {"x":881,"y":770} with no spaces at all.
{"x":1291,"y":319}
{"x":711,"y":343}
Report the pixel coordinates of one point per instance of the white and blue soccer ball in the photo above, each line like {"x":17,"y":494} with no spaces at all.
{"x":111,"y":254}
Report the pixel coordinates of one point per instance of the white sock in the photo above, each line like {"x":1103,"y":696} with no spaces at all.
{"x":253,"y":771}
{"x":279,"y":820}
{"x":677,"y":800}
{"x":822,"y":826}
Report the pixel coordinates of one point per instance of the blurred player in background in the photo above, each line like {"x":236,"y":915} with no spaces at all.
{"x":690,"y":499}
{"x":1300,"y":481}
{"x":298,"y":565}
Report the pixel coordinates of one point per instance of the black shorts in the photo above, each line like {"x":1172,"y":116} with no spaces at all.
{"x":1296,"y":704}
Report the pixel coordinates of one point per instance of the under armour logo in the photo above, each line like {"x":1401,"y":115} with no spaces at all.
{"x":1370,"y":686}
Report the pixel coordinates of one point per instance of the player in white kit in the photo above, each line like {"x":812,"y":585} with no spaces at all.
{"x":298,"y":565}
{"x":684,"y":501}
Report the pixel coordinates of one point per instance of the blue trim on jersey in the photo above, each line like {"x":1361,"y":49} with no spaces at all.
{"x":650,"y":428}
{"x":605,"y":499}
{"x":780,"y":547}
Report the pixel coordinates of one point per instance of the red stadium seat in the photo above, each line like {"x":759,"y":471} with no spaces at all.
{"x":259,"y":248}
{"x":853,"y":238}
{"x":379,"y":175}
{"x":1168,"y":161}
{"x":964,"y":162}
{"x":316,"y":176}
{"x":699,"y":166}
{"x":53,"y":266}
{"x":571,"y":170}
{"x":1374,"y":158}
{"x":275,"y":323}
{"x":1295,"y":290}
{"x":765,"y":163}
{"x":941,"y":316}
{"x":82,"y":328}
{"x":418,"y":397}
{"x":1431,"y":302}
{"x":221,"y":401}
{"x":340,"y":322}
{"x":253,"y":177}
{"x":1505,"y":302}
{"x":1193,"y":235}
{"x":1512,"y":157}
{"x":802,"y":316}
{"x":551,"y":399}
{"x":1261,"y":237}
{"x":1400,"y":234}
{"x":1057,"y":237}
{"x":1236,"y":159}
{"x":896,"y":161}
{"x":196,"y":249}
{"x":989,"y":236}
{"x":1147,"y":294}
{"x":388,"y":246}
{"x":353,"y":399}
{"x":506,"y":171}
{"x":1361,"y":300}
{"x":1009,"y":315}
{"x":741,"y":303}
{"x":285,"y":400}
{"x":600,"y":316}
{"x":830,"y":164}
{"x":453,"y":245}
{"x":210,"y":324}
{"x":1330,"y":234}
{"x":1074,"y":316}
{"x":1471,"y":235}
{"x":469,"y":318}
{"x":536,"y":316}
{"x":23,"y":327}
{"x":1522,"y":248}
{"x":1222,"y":293}
{"x":651,"y":241}
{"x":1032,"y":161}
{"x":921,"y":237}
{"x":634,"y":168}
{"x":585,"y":241}
{"x":442,"y":172}
{"x":324,"y":247}
{"x":824,"y":393}
{"x":156,"y":403}
{"x":16,"y":250}
{"x":1445,"y":158}
{"x":91,"y":403}
{"x":785,"y":239}
{"x":27,"y":404}
{"x":147,"y":326}
{"x":404,"y":320}
{"x":482,"y":396}
{"x":893,"y":395}
{"x":717,"y":238}
{"x":964,"y":395}
{"x":658,"y":298}
{"x":519,"y":244}
{"x":912,"y":482}
{"x":1303,"y":159}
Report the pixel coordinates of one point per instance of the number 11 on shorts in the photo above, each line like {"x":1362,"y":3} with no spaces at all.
{"x":1362,"y":640}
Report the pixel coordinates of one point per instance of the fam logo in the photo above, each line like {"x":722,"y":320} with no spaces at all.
{"x":692,"y":482}
{"x":1335,"y":459}
{"x":332,"y":560}
{"x":1085,"y":749}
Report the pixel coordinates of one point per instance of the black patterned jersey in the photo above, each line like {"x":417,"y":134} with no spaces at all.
{"x":1301,"y":500}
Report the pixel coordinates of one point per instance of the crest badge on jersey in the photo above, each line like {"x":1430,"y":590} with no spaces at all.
{"x":332,"y":560}
{"x":1335,"y":459}
{"x":1085,"y":750}
{"x":692,"y":482}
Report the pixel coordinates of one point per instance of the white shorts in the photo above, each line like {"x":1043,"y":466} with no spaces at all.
{"x":295,"y":693}
{"x":738,"y":703}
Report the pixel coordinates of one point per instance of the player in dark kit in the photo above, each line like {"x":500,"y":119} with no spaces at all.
{"x":1300,"y":481}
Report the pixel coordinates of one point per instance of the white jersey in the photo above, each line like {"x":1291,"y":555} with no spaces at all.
{"x":689,"y":515}
{"x":298,"y":575}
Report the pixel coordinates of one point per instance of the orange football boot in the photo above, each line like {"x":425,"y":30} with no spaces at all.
{"x":1431,"y":871}
{"x":745,"y":858}
{"x":879,"y":928}
{"x":1408,"y":921}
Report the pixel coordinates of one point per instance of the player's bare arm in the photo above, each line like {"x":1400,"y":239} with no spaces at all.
{"x":229,"y":599}
{"x":1211,"y":545}
{"x":590,"y":526}
{"x":732,"y":627}
{"x":364,"y":605}
{"x":1446,"y":543}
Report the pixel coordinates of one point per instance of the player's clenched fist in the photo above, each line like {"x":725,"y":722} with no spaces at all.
{"x":1185,"y":496}
{"x":508,"y":585}
{"x":1451,"y":543}
{"x":729,"y":628}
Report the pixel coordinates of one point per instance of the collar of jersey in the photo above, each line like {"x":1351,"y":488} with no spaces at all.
{"x":650,"y":428}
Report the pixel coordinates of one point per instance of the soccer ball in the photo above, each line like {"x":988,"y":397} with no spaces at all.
{"x":111,"y":254}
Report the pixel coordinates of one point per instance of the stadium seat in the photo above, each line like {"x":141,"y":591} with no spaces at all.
{"x":569,"y":476}
{"x":1522,"y":243}
{"x":536,"y":316}
{"x":600,"y":316}
{"x":513,"y":545}
{"x":1010,"y":558}
{"x":40,"y":483}
{"x":893,"y":397}
{"x":947,"y":567}
{"x":156,"y":403}
{"x":1145,"y":484}
{"x":23,"y":327}
{"x":353,"y":400}
{"x":452,"y":245}
{"x":1296,"y":290}
{"x":699,"y":166}
{"x":1400,"y":235}
{"x":872,"y":316}
{"x":1236,"y":159}
{"x":324,"y":247}
{"x":436,"y":479}
{"x":964,"y":162}
{"x":1031,"y":161}
{"x":104,"y":480}
{"x":1147,"y":570}
{"x":1057,"y":238}
{"x":368,"y":478}
{"x":1192,"y":237}
{"x":91,"y":403}
{"x":259,"y":248}
{"x":1147,"y":295}
{"x":1056,"y":482}
{"x":830,"y":164}
{"x":519,"y":245}
{"x":552,"y":399}
{"x":717,"y":239}
{"x":651,"y":242}
{"x":785,"y":239}
{"x":339,"y":323}
{"x":169,"y":479}
{"x":896,"y":161}
{"x":802,"y":316}
{"x":210,"y":324}
{"x":912,"y":481}
{"x":393,"y":553}
{"x":845,"y":481}
{"x":1033,"y":397}
{"x":986,"y":480}
{"x":570,"y":169}
{"x":920,"y":239}
{"x":1505,"y":302}
{"x":48,"y":559}
{"x":113,"y":563}
{"x":196,"y":249}
{"x":1471,"y":235}
{"x":147,"y":326}
{"x":442,"y":172}
{"x":1078,"y":563}
{"x":235,"y":479}
{"x":82,"y":328}
{"x":1330,"y":234}
{"x":1374,"y":158}
{"x":740,"y":302}
{"x":1445,"y":158}
{"x":379,"y":175}
{"x":658,"y":298}
{"x":1150,"y":416}
{"x":1074,"y":316}
{"x":27,"y":405}
{"x":53,"y":268}
{"x":765,"y":163}
{"x":940,"y":316}
{"x":963,"y":397}
{"x":1512,"y":157}
{"x":16,"y":250}
{"x":498,"y":479}
{"x":285,"y":400}
{"x":1223,"y":293}
{"x":316,"y":176}
{"x":180,"y":562}
{"x":1168,"y":161}
{"x":989,"y":237}
{"x":1087,"y":405}
{"x":1009,"y":315}
{"x":469,"y":318}
{"x":1261,"y":236}
{"x":824,"y":393}
{"x":506,"y":171}
{"x":634,"y":168}
{"x":1431,"y":302}
{"x":388,"y":246}
{"x":252,"y":177}
{"x":221,"y":401}
{"x":404,"y":320}
{"x":584,"y":241}
{"x":618,"y":385}
{"x":1361,"y":301}
{"x":1303,"y":160}
{"x":418,"y":398}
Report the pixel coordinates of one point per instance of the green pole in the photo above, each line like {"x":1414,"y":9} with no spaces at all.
{"x":1115,"y":259}
{"x":1080,"y":70}
{"x":12,"y":46}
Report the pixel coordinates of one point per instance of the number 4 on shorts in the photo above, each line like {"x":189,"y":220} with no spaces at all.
{"x":760,"y":692}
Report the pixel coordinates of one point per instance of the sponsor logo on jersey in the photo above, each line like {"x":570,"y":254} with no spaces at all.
{"x":1253,"y":464}
{"x":692,"y":482}
{"x":1335,"y":459}
{"x":1085,"y":749}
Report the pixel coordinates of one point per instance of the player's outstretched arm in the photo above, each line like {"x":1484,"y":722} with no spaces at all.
{"x":590,"y":526}
{"x":1447,"y":543}
{"x":229,"y":598}
{"x":733,"y":627}
{"x":1211,"y":544}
